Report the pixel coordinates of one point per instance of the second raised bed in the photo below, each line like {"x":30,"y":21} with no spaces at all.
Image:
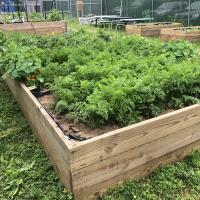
{"x":150,"y":29}
{"x":38,"y":28}
{"x":185,"y":33}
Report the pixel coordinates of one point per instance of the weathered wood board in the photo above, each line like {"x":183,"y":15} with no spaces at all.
{"x":47,"y":132}
{"x":149,"y":29}
{"x":90,"y":167}
{"x":38,"y":28}
{"x":187,"y":33}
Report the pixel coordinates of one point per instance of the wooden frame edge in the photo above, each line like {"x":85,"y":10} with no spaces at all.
{"x":46,"y":130}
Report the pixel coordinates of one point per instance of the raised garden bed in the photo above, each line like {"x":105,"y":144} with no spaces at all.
{"x":150,"y":29}
{"x":85,"y":87}
{"x":186,"y":33}
{"x":38,"y":28}
{"x":89,"y":167}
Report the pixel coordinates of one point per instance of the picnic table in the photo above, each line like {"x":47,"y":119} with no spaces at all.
{"x":134,"y":20}
{"x":124,"y":22}
{"x":106,"y":18}
{"x":117,"y":20}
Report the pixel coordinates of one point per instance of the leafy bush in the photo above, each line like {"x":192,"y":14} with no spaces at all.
{"x":106,"y":77}
{"x":20,"y":62}
{"x":54,"y":15}
{"x":181,"y":50}
{"x":36,"y":17}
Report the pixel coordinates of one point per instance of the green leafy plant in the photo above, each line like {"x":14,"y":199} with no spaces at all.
{"x":181,"y":50}
{"x":19,"y":62}
{"x":54,"y":15}
{"x":105,"y":77}
{"x":147,"y":13}
{"x":36,"y":17}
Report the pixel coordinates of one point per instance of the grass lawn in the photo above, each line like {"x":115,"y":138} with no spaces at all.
{"x":25,"y":171}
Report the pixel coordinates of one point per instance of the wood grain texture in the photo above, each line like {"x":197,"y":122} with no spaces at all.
{"x":91,"y":193}
{"x":39,"y":28}
{"x":106,"y":169}
{"x":149,"y":29}
{"x":178,"y":34}
{"x":122,"y":140}
{"x":148,"y":141}
{"x":47,"y":132}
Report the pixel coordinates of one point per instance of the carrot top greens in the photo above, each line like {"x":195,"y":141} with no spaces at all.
{"x":103,"y":77}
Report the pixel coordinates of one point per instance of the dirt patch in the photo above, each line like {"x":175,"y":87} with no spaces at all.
{"x":75,"y":131}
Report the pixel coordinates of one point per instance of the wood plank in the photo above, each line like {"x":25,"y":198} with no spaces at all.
{"x":53,"y":24}
{"x":121,"y":163}
{"x":193,"y":36}
{"x":17,"y":26}
{"x":166,"y":33}
{"x":150,"y":29}
{"x":178,"y":34}
{"x":46,"y":31}
{"x":91,"y":193}
{"x":155,"y":28}
{"x":48,"y":133}
{"x":129,"y":29}
{"x":122,"y":140}
{"x":42,"y":28}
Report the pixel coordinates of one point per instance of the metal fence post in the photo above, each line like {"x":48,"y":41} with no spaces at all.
{"x":18,"y":10}
{"x":152,"y":8}
{"x":101,"y":7}
{"x":121,"y":8}
{"x":189,"y":12}
{"x":71,"y":8}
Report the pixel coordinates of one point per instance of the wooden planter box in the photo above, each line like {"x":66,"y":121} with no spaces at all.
{"x":39,"y":28}
{"x":186,"y":33}
{"x":88,"y":168}
{"x":150,"y":29}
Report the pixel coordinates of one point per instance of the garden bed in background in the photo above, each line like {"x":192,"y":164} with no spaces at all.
{"x":150,"y":29}
{"x":38,"y":28}
{"x":186,"y":33}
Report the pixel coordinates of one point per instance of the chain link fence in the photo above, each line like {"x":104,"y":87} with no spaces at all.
{"x":35,"y":6}
{"x":61,"y":5}
{"x":83,"y":8}
{"x":185,"y":11}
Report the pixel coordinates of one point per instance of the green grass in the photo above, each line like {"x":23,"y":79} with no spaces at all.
{"x":180,"y":181}
{"x":26,"y":173}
